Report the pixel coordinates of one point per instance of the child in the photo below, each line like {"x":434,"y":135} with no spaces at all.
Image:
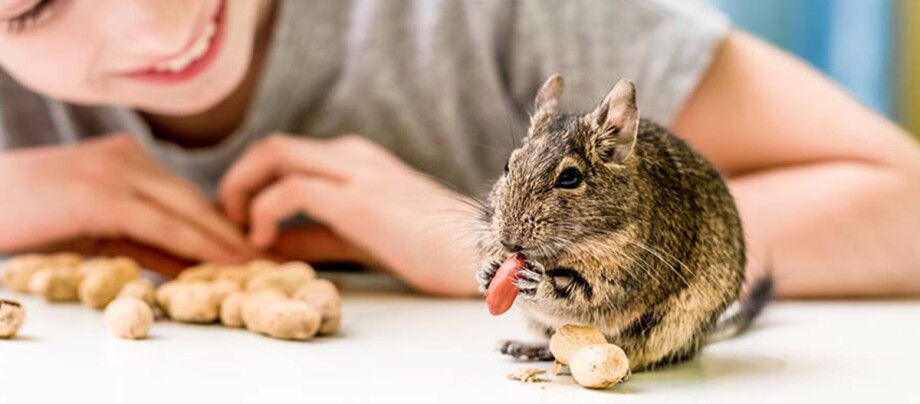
{"x":120,"y":118}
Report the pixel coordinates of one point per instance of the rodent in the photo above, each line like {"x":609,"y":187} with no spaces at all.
{"x":624,"y":227}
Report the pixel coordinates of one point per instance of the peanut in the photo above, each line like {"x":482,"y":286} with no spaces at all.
{"x":224,"y":287}
{"x":65,"y":259}
{"x":38,"y":282}
{"x":56,"y":284}
{"x":323,"y":296}
{"x":257,"y":266}
{"x":141,"y":289}
{"x":254,"y":302}
{"x":238,"y":274}
{"x":287,"y":277}
{"x":203,"y":272}
{"x":231,"y":309}
{"x":12,"y":315}
{"x":284,"y":319}
{"x":599,"y":366}
{"x":104,"y":277}
{"x":502,"y":290}
{"x":569,"y":338}
{"x":18,"y":271}
{"x":191,"y":301}
{"x":129,"y":317}
{"x":212,"y":272}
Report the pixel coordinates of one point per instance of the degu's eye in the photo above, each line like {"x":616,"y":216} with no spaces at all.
{"x":506,"y":168}
{"x":569,"y":178}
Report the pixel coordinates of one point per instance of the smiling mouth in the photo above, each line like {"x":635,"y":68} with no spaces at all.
{"x":192,"y":54}
{"x":195,"y":59}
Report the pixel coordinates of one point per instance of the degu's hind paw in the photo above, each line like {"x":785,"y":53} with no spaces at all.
{"x":526,"y":351}
{"x":529,"y":278}
{"x":486,"y":273}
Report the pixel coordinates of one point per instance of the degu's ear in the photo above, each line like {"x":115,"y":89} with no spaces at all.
{"x":547,"y":102}
{"x":616,"y":122}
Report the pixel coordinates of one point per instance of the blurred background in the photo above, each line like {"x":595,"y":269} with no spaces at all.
{"x":866,"y":46}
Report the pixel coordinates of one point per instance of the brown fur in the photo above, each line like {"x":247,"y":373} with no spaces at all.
{"x":649,"y":247}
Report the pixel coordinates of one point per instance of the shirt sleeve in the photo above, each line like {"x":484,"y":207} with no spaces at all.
{"x":24,"y":118}
{"x":665,"y":46}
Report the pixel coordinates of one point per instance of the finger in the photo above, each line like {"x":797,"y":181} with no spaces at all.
{"x":271,"y":159}
{"x":317,"y":198}
{"x":149,"y":224}
{"x":185,"y":201}
{"x":318,"y":244}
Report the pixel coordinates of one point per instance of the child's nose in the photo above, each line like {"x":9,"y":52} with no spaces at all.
{"x":157,"y":28}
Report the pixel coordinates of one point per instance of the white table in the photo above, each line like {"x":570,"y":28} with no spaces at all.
{"x":397,"y":347}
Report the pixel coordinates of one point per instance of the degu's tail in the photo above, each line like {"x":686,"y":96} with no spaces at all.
{"x":739,"y":316}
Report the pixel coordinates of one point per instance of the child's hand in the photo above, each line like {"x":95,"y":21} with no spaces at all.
{"x":108,"y":189}
{"x":370,"y":201}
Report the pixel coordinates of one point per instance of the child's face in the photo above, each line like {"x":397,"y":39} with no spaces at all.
{"x":154,"y":55}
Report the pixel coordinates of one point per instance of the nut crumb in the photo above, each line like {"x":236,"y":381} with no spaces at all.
{"x":557,"y":367}
{"x":528,"y":375}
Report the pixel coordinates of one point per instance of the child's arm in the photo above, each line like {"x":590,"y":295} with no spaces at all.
{"x":828,"y":190}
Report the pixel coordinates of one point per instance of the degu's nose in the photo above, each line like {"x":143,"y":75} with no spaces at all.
{"x":511,"y":247}
{"x":511,"y":242}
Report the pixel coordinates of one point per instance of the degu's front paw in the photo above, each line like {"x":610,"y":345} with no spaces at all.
{"x":530,"y":277}
{"x":525,"y":351}
{"x":486,"y":273}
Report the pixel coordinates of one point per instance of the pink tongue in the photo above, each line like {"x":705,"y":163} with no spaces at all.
{"x":502,"y":291}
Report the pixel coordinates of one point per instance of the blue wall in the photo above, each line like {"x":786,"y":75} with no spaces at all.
{"x":849,"y":40}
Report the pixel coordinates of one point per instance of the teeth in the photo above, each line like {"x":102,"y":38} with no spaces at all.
{"x":195,"y":52}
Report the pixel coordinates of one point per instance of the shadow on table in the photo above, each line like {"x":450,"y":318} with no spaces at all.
{"x":706,"y":367}
{"x":22,"y":338}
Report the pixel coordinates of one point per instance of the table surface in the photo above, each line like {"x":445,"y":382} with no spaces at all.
{"x":398,"y":347}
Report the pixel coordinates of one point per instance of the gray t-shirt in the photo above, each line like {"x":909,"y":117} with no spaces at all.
{"x":444,"y":84}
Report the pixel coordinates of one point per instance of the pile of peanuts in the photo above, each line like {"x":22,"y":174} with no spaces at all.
{"x":283,"y":301}
{"x":68,"y":277}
